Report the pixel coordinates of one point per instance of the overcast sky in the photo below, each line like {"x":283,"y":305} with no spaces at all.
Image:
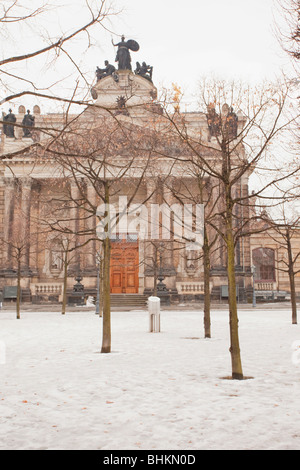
{"x":185,"y":40}
{"x":182,"y":40}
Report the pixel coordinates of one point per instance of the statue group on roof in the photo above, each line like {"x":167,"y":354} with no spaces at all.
{"x":144,"y":70}
{"x":226,"y":124}
{"x":123,"y":58}
{"x":10,"y":119}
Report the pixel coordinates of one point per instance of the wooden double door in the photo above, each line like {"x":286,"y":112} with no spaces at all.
{"x":124,"y":265}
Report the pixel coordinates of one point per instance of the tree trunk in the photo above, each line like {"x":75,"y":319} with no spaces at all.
{"x":292,"y":279}
{"x":64,"y":300}
{"x":237,"y":372}
{"x":106,"y":333}
{"x":18,"y":289}
{"x":101,"y":289}
{"x":206,"y":263}
{"x":293,"y":298}
{"x":155,"y":278}
{"x":106,"y":338}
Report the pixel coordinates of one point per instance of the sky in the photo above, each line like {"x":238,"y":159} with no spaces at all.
{"x":186,"y":40}
{"x":183,"y":41}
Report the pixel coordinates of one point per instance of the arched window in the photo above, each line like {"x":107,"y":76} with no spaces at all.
{"x":264,"y":262}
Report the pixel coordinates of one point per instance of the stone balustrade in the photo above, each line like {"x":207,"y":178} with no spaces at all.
{"x":265,"y":286}
{"x":47,"y":289}
{"x":191,"y":287}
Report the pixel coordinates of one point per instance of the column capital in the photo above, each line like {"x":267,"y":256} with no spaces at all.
{"x":8,"y":181}
{"x":26,"y":182}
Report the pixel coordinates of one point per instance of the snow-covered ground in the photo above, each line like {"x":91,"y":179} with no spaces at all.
{"x":158,"y":391}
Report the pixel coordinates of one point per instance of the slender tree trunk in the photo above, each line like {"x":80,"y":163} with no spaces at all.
{"x":106,"y":333}
{"x":237,"y":372}
{"x":292,"y":279}
{"x":101,"y":289}
{"x":155,"y":279}
{"x":106,"y":339}
{"x":293,"y":297}
{"x":64,"y":300}
{"x":18,"y":289}
{"x":206,"y":263}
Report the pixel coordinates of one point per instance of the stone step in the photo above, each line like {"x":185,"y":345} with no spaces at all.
{"x":120,"y":300}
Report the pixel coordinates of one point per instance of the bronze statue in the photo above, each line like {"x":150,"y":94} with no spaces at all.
{"x":28,"y":122}
{"x":213,"y":121}
{"x":108,"y":70}
{"x":144,"y":70}
{"x":231,"y":125}
{"x":9,"y":129}
{"x":123,"y":55}
{"x":228,"y":123}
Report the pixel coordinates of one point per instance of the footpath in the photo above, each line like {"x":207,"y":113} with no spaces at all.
{"x":188,"y":306}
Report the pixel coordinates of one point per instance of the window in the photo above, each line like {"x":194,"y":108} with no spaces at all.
{"x":264,"y":262}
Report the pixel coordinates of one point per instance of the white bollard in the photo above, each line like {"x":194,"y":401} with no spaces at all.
{"x":154,"y":314}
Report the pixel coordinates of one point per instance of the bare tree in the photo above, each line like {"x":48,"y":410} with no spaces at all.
{"x":290,"y":11}
{"x":284,"y":231}
{"x":94,"y":163}
{"x":237,"y":142}
{"x":65,"y":257}
{"x":18,"y":246}
{"x":19,"y":250}
{"x":52,"y":47}
{"x":197,"y":188}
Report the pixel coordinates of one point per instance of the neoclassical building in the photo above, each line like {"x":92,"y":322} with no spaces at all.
{"x":32,"y":183}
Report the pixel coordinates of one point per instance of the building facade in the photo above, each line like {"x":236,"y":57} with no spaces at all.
{"x":32,"y":185}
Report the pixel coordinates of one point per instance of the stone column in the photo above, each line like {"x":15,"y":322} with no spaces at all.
{"x":26,"y":184}
{"x":37,"y":236}
{"x":1,"y":219}
{"x":74,"y":227}
{"x":151,"y":196}
{"x":168,"y":256}
{"x":8,"y":216}
{"x":90,"y":225}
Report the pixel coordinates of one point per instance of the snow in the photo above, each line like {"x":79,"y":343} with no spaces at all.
{"x":163,"y":391}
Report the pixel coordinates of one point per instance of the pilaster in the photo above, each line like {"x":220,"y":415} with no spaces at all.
{"x":8,"y":217}
{"x":74,"y":226}
{"x":26,"y":184}
{"x":91,"y":221}
{"x":2,"y":191}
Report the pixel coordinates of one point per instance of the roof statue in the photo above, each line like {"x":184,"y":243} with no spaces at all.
{"x":9,"y":129}
{"x":28,"y":122}
{"x":123,"y":55}
{"x":227,"y":122}
{"x":144,"y":70}
{"x":213,"y":121}
{"x":108,"y":70}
